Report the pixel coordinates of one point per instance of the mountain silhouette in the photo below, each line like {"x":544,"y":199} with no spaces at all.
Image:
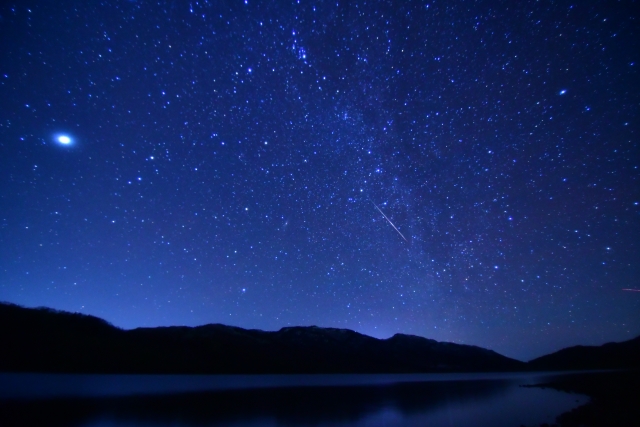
{"x":47,"y":340}
{"x":621,"y":355}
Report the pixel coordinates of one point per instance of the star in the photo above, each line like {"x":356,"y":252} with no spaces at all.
{"x":64,"y":139}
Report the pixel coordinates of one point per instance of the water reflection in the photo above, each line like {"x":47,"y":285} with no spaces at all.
{"x":441,"y":403}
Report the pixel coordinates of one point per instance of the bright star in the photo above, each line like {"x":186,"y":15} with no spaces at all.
{"x":562,"y":92}
{"x":63,"y":139}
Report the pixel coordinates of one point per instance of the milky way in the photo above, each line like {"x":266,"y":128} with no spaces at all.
{"x":225,"y":158}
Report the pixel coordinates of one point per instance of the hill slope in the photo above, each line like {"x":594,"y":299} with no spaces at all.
{"x":45,"y":340}
{"x":619,"y":355}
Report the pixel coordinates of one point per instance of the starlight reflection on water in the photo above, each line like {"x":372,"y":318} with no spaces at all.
{"x":335,"y":401}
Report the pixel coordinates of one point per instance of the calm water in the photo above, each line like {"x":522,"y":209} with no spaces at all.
{"x":281,"y":400}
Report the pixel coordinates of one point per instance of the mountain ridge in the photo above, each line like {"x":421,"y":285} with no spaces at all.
{"x":611,"y":355}
{"x":49,"y":340}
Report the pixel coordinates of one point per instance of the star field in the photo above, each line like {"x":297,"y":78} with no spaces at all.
{"x":463,"y":171}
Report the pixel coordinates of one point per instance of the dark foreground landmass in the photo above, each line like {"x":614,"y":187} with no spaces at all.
{"x":45,"y":340}
{"x":613,"y":355}
{"x":615,"y":399}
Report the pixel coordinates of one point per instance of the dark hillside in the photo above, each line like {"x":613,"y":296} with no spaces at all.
{"x":45,"y":340}
{"x":620,"y":355}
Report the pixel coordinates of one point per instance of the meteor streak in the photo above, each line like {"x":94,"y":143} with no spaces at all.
{"x":394,"y":227}
{"x":631,"y":290}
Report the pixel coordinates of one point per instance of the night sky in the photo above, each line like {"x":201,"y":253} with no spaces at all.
{"x":464,"y":171}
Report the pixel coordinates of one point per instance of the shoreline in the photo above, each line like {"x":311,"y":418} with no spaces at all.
{"x":614,"y":399}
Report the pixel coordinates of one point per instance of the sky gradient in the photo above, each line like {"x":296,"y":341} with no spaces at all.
{"x":464,"y":171}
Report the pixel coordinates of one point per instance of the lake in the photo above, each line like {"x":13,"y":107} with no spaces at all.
{"x":282,"y":400}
